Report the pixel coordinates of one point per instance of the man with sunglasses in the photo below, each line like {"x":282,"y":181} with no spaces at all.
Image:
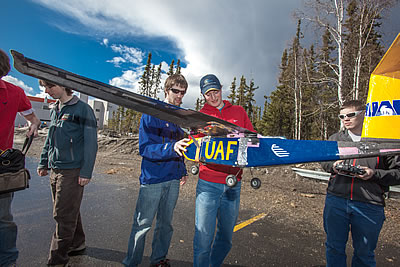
{"x":162,"y":172}
{"x":355,"y":202}
{"x":215,"y":201}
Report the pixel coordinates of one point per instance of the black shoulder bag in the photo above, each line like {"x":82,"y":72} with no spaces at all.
{"x":13,"y":175}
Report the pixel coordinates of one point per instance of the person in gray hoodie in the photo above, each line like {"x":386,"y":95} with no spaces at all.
{"x":69,"y":153}
{"x":355,"y":202}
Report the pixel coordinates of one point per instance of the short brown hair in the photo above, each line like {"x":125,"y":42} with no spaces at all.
{"x":4,"y":64}
{"x":48,"y":84}
{"x":175,"y":79}
{"x":357,"y":104}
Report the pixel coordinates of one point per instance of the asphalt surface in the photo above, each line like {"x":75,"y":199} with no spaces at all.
{"x":107,"y":210}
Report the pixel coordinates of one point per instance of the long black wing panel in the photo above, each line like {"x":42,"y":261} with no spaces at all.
{"x":186,"y":118}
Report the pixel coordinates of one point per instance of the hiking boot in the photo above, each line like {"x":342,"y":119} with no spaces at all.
{"x":162,"y":263}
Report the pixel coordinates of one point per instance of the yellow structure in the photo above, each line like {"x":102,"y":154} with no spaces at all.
{"x":382,"y":120}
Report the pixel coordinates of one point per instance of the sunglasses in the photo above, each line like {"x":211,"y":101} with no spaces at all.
{"x":177,"y":91}
{"x":350,"y":115}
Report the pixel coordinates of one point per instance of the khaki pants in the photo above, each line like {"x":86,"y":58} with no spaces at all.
{"x":67,"y":197}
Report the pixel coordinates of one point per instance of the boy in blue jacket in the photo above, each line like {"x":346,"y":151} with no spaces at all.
{"x":70,"y":153}
{"x":160,"y":144}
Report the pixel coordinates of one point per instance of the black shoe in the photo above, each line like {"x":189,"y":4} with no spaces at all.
{"x":77,"y":250}
{"x":162,"y":263}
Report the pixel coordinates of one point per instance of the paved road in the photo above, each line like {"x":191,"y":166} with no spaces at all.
{"x":107,"y":211}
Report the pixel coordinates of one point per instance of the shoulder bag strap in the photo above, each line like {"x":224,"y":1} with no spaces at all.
{"x":27,"y":144}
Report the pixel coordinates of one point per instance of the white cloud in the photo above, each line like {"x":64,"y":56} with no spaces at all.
{"x":129,"y":54}
{"x":42,"y":93}
{"x":227,"y":38}
{"x":117,"y":61}
{"x":129,"y":80}
{"x":28,"y":90}
{"x":105,"y":42}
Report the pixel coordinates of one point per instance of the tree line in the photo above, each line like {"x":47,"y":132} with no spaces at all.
{"x":125,"y":120}
{"x":314,"y":79}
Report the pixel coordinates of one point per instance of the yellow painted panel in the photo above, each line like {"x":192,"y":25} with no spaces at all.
{"x":390,"y":63}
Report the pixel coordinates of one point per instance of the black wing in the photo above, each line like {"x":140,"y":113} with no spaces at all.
{"x":186,"y":118}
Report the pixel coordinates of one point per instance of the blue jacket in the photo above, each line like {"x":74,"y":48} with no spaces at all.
{"x":160,"y":163}
{"x":72,"y":139}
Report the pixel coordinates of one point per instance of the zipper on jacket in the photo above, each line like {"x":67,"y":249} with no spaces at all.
{"x":352,"y":182}
{"x":71,"y":149}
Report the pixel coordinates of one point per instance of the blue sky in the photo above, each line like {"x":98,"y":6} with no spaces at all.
{"x":48,"y":36}
{"x":109,"y":40}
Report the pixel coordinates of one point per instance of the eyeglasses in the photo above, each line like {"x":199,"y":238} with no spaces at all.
{"x":177,"y":91}
{"x":350,"y":115}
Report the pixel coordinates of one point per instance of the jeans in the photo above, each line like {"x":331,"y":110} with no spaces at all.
{"x":214,"y":202}
{"x":8,"y":231}
{"x":153,"y":199}
{"x":67,"y":197}
{"x":365,"y":222}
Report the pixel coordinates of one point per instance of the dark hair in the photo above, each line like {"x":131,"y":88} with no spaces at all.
{"x":175,"y":79}
{"x":48,"y":84}
{"x":357,"y":104}
{"x":4,"y":63}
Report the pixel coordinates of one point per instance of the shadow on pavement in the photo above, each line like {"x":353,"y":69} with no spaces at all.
{"x":116,"y":256}
{"x":105,"y":254}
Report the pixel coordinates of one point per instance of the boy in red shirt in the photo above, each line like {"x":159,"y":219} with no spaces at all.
{"x":214,"y":199}
{"x":12,"y":101}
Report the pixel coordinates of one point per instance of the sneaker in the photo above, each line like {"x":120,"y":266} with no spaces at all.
{"x":162,"y":263}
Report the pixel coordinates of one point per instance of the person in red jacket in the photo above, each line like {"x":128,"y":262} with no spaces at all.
{"x":215,"y":201}
{"x":12,"y":101}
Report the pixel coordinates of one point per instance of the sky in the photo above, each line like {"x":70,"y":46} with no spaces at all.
{"x":109,"y":40}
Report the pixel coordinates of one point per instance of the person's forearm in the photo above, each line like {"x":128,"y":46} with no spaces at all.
{"x":33,"y":119}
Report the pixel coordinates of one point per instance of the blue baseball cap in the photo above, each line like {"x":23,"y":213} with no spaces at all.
{"x":209,"y":82}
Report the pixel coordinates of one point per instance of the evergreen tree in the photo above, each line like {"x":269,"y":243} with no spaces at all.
{"x":241,"y":94}
{"x":310,"y":100}
{"x":171,"y":68}
{"x":249,"y":99}
{"x":294,"y":81}
{"x":156,"y":83}
{"x":144,"y":83}
{"x":199,"y":103}
{"x":256,"y":118}
{"x":232,"y":95}
{"x":278,"y":107}
{"x":178,"y":67}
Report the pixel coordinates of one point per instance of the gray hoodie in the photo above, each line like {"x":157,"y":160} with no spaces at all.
{"x":387,"y":173}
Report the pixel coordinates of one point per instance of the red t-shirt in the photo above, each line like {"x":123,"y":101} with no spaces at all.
{"x":12,"y":101}
{"x":233,"y":114}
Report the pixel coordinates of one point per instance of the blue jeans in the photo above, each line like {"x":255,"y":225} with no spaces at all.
{"x":153,"y":199}
{"x":214,"y":202}
{"x":365,"y":222}
{"x":8,"y":231}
